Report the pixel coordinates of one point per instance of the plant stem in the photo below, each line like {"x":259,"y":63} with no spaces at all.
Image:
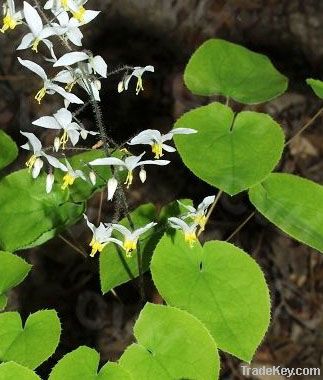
{"x":211,"y":210}
{"x":241,"y":225}
{"x":72,"y":245}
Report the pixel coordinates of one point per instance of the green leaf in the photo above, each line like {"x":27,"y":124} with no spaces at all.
{"x":317,"y":86}
{"x":14,"y":371}
{"x":13,"y":271}
{"x":172,"y":344}
{"x":220,"y":67}
{"x":218,"y":283}
{"x":294,"y":204}
{"x":83,"y":363}
{"x":228,"y":152}
{"x":8,"y":150}
{"x":32,"y":344}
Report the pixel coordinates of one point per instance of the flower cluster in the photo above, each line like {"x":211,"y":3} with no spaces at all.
{"x":77,"y":68}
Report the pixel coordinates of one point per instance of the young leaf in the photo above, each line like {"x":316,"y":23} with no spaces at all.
{"x":220,"y":67}
{"x":8,"y":150}
{"x":32,"y":344}
{"x":83,"y":363}
{"x":14,"y":371}
{"x":230,"y":152}
{"x":13,"y":270}
{"x":218,"y":283}
{"x":294,"y":204}
{"x":317,"y":86}
{"x":172,"y":344}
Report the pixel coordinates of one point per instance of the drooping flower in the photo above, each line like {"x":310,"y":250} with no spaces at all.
{"x":82,"y":15}
{"x":137,"y":73}
{"x":189,"y":230}
{"x":11,"y":18}
{"x":49,"y":182}
{"x":49,"y":87}
{"x":198,"y":215}
{"x":68,"y":28}
{"x":156,"y":140}
{"x":35,"y":162}
{"x":63,"y":120}
{"x":101,"y":236}
{"x":130,"y":163}
{"x":112,"y":187}
{"x":130,"y":238}
{"x":71,"y":175}
{"x":38,"y":32}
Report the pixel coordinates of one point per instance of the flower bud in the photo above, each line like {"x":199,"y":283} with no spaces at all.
{"x":83,"y":134}
{"x":49,"y":182}
{"x":97,"y":84}
{"x":112,"y":187}
{"x":37,"y":167}
{"x":92,"y":177}
{"x":56,"y":144}
{"x":143,"y":175}
{"x":120,"y":86}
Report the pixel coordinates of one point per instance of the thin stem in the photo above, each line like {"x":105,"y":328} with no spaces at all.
{"x":72,"y":245}
{"x":310,"y":122}
{"x":211,"y":210}
{"x":100,"y":207}
{"x":241,"y":225}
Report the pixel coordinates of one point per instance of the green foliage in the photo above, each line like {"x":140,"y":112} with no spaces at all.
{"x":219,"y":284}
{"x":8,"y":150}
{"x":32,"y":344}
{"x":172,"y":344}
{"x":222,"y":68}
{"x":317,"y":86}
{"x":230,"y":152}
{"x":14,"y":371}
{"x":13,"y":270}
{"x":294,"y":204}
{"x":83,"y":363}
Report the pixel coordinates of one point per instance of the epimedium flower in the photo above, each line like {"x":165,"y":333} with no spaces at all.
{"x":198,"y":215}
{"x":82,"y":15}
{"x":35,"y":162}
{"x":130,"y":163}
{"x":101,"y":236}
{"x":137,"y":73}
{"x":189,"y":230}
{"x":130,"y":238}
{"x":68,"y":28}
{"x":63,"y":120}
{"x":71,"y":175}
{"x":11,"y":18}
{"x":49,"y":87}
{"x":38,"y":32}
{"x":156,"y":140}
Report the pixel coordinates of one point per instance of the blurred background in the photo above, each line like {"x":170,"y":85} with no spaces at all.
{"x":164,"y":33}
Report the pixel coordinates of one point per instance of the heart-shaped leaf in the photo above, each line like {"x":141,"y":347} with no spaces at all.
{"x":32,"y":344}
{"x":83,"y":363}
{"x":294,"y":204}
{"x":230,"y":152}
{"x":222,"y":68}
{"x":218,"y":283}
{"x":8,"y":150}
{"x":14,"y":371}
{"x":172,"y":344}
{"x":317,"y":86}
{"x":13,"y":270}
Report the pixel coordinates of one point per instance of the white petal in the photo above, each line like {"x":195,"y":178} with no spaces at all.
{"x":49,"y":182}
{"x":146,"y":137}
{"x":32,"y":66}
{"x":120,"y":86}
{"x":47,"y":122}
{"x":100,"y":66}
{"x":37,"y":167}
{"x":92,"y":177}
{"x":55,"y":162}
{"x":107,"y":161}
{"x":69,"y":59}
{"x":33,"y":19}
{"x":143,"y":175}
{"x":63,"y":18}
{"x":26,"y":42}
{"x":122,"y":229}
{"x":67,"y":95}
{"x":89,"y":224}
{"x":112,"y":187}
{"x":168,"y":148}
{"x":64,"y":76}
{"x":74,"y":136}
{"x":178,"y":131}
{"x":63,"y":117}
{"x":133,"y":161}
{"x":142,"y":230}
{"x":89,"y":16}
{"x":33,"y":142}
{"x":75,"y":36}
{"x":155,"y":162}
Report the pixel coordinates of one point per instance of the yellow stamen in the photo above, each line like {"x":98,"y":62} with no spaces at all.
{"x":31,"y":162}
{"x":40,"y":94}
{"x":129,"y":246}
{"x":200,"y":220}
{"x":69,"y":86}
{"x":79,"y":14}
{"x":157,"y":149}
{"x":68,"y":180}
{"x":125,"y":150}
{"x":129,"y":179}
{"x":190,"y":238}
{"x":9,"y":23}
{"x":96,"y":247}
{"x":64,"y":4}
{"x":139,"y":86}
{"x":63,"y":140}
{"x":35,"y":44}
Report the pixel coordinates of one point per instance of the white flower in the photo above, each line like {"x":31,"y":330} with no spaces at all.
{"x":49,"y":87}
{"x":188,"y":230}
{"x":37,"y":30}
{"x":35,"y":162}
{"x":63,"y":120}
{"x":156,"y":140}
{"x":112,"y":187}
{"x":11,"y":18}
{"x":82,"y":15}
{"x":68,"y":28}
{"x":130,"y":163}
{"x":101,"y":236}
{"x":49,"y":182}
{"x":198,"y":215}
{"x":130,"y":238}
{"x":71,"y":176}
{"x":137,"y":72}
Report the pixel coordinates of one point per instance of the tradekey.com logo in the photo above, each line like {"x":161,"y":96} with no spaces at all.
{"x":278,"y":371}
